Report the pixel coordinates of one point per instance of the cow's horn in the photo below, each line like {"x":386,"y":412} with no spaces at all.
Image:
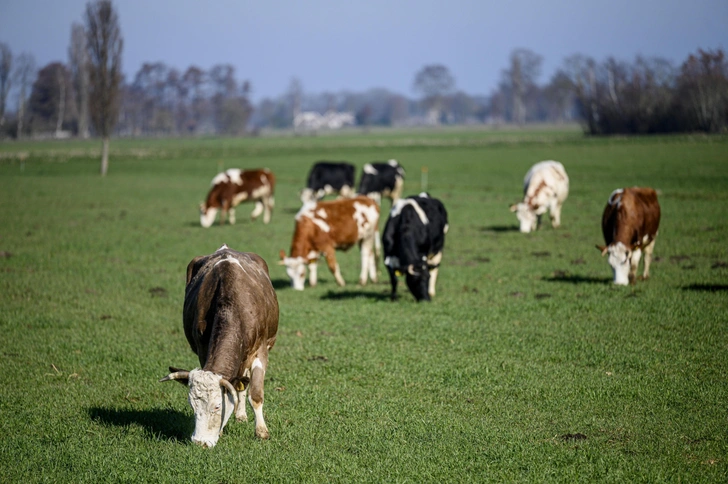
{"x":177,"y":375}
{"x":411,"y":270}
{"x":226,"y":384}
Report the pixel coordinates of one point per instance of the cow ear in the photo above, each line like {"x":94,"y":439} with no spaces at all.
{"x":282,"y":253}
{"x":194,"y":267}
{"x":514,"y":207}
{"x":603,"y":249}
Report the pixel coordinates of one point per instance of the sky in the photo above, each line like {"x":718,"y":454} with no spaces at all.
{"x":335,"y":45}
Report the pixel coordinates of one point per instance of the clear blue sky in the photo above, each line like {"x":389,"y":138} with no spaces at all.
{"x":334,"y":45}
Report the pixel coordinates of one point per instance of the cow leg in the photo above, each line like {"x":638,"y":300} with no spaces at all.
{"x":434,"y":261}
{"x":634,"y":262}
{"x":224,"y":210}
{"x":555,"y":214}
{"x":366,"y":247}
{"x":257,"y":377}
{"x":648,"y":259}
{"x":231,"y":216}
{"x":313,"y":273}
{"x":393,"y":280}
{"x":242,"y":415}
{"x":334,"y":266}
{"x":257,"y":210}
{"x":268,"y":203}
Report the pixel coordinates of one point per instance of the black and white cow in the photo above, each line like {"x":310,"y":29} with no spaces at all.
{"x":413,"y":239}
{"x":327,"y":177}
{"x":382,"y":180}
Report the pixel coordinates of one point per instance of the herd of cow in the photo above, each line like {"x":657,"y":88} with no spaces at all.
{"x":231,"y":309}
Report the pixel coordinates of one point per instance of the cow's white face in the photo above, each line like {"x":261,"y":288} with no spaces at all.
{"x":207,"y":216}
{"x":212,"y":406}
{"x":307,"y":196}
{"x":526,"y":216}
{"x":619,"y":260}
{"x":296,"y":270}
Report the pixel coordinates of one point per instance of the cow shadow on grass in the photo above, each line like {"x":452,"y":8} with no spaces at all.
{"x":500,"y":228}
{"x":280,"y":284}
{"x":578,"y":279}
{"x":706,"y":287}
{"x":354,"y":294}
{"x":159,"y":423}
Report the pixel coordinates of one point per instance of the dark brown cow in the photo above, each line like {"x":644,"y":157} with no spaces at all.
{"x":629,"y":224}
{"x":323,"y":228}
{"x":234,"y":186}
{"x":230,"y":321}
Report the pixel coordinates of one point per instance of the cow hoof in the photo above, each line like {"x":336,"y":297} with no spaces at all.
{"x":262,"y":434}
{"x":241,"y":418}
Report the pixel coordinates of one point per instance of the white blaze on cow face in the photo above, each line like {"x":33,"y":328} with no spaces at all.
{"x":368,"y":168}
{"x":526,"y":216}
{"x":207,"y":216}
{"x":296,"y":270}
{"x":212,"y":406}
{"x":619,"y":259}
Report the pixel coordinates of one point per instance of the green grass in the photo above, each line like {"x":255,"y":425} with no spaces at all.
{"x":526,"y":349}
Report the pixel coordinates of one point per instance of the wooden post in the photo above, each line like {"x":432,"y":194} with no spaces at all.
{"x":423,"y":179}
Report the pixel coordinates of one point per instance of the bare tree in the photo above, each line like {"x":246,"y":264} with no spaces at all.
{"x":525,"y":70}
{"x":104,"y":45}
{"x":78,"y":65}
{"x":703,"y":87}
{"x":295,"y":94}
{"x":24,"y":73}
{"x":6,"y":66}
{"x":434,"y":83}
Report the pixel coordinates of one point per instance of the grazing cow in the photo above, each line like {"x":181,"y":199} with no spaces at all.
{"x":629,"y":223}
{"x":545,"y":187}
{"x":413,"y":239}
{"x":382,"y":180}
{"x":324,"y":227}
{"x":230,"y":321}
{"x":233,"y":186}
{"x":327,"y":177}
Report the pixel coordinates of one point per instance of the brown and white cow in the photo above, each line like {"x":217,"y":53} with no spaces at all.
{"x":234,"y":186}
{"x":230,"y":320}
{"x":630,"y":223}
{"x":545,"y":187}
{"x":324,"y":227}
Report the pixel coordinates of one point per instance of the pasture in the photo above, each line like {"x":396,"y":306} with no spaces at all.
{"x":529,"y":365}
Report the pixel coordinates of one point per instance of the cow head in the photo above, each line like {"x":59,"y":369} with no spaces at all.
{"x":526,"y":215}
{"x":207,"y":215}
{"x":417,"y":277}
{"x":213,"y":399}
{"x":308,"y":196}
{"x":620,"y":260}
{"x":296,"y":270}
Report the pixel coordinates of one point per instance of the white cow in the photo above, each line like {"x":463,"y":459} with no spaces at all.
{"x":545,"y":187}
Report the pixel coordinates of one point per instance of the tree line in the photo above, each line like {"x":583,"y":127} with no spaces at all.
{"x":647,"y":95}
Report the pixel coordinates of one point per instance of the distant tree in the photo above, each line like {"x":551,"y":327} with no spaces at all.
{"x":398,"y":109}
{"x":295,"y":96}
{"x":78,"y":66}
{"x":434,"y":82}
{"x":24,"y":74}
{"x":581,"y":70}
{"x":193,"y":86}
{"x":6,"y":67}
{"x":560,"y":94}
{"x":703,"y":87}
{"x":104,"y":44}
{"x":50,"y":97}
{"x":524,"y":71}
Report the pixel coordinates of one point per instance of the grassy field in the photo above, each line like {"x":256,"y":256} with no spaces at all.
{"x":528,"y":366}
